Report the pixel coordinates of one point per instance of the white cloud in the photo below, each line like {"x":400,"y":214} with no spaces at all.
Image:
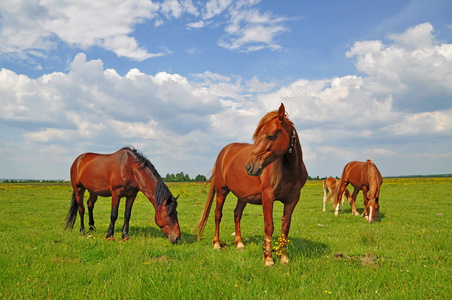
{"x":251,"y":30}
{"x":33,"y":28}
{"x":414,"y":69}
{"x":215,"y":7}
{"x":195,"y":25}
{"x":421,"y":124}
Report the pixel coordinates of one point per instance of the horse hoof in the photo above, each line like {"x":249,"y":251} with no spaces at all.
{"x":110,"y":239}
{"x":125,"y":239}
{"x":269,"y":262}
{"x":218,"y":245}
{"x":284,"y":260}
{"x":240,"y":246}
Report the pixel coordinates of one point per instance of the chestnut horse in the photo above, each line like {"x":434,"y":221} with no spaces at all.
{"x":121,"y":174}
{"x":363,"y":176}
{"x":270,"y":169}
{"x":329,"y":185}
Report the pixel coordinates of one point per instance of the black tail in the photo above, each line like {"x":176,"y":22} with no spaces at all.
{"x":72,"y":214}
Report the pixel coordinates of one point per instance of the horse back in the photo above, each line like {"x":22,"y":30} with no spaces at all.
{"x":330,"y":184}
{"x":99,"y":173}
{"x":360,"y":174}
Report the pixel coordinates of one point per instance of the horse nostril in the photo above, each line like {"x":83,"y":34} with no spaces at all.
{"x":249,"y":167}
{"x":174,"y":240}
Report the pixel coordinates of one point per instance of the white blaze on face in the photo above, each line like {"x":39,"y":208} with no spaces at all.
{"x":370,"y":214}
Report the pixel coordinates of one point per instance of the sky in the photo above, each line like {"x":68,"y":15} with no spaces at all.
{"x":181,"y":79}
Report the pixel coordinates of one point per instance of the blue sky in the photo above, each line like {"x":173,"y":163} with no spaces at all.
{"x":181,"y":79}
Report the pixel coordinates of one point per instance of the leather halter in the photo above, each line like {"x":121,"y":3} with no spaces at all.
{"x":292,"y":142}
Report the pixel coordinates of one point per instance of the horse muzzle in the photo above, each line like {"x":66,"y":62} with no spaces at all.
{"x":253,"y":170}
{"x":174,"y":239}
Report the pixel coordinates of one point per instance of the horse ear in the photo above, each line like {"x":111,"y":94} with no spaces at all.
{"x":282,"y":112}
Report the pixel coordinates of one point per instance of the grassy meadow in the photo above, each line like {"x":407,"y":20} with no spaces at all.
{"x":406,"y":254}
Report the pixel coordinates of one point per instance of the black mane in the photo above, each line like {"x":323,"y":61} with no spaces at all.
{"x":161,"y":192}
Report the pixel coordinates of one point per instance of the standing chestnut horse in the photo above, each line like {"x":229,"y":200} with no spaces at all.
{"x":362,"y":176}
{"x":121,"y":174}
{"x":270,"y":169}
{"x":329,"y":185}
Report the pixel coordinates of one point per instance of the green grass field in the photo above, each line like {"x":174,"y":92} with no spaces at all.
{"x":406,"y":254}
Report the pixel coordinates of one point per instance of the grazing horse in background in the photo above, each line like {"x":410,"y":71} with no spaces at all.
{"x":362,"y":176}
{"x":329,"y":185}
{"x":121,"y":174}
{"x":270,"y":169}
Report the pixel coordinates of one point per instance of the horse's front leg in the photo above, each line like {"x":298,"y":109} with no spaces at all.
{"x":127,"y":214}
{"x":366,"y":203}
{"x":285,"y":228}
{"x":267,"y":207}
{"x":91,"y":201}
{"x":237,"y":217}
{"x":113,"y":217}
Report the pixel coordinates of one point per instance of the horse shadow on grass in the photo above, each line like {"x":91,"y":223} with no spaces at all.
{"x":348,"y":211}
{"x":155,"y":232}
{"x":298,"y":247}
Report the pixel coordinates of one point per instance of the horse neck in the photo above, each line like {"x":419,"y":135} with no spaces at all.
{"x":152,"y":187}
{"x":295,"y":159}
{"x":374,"y":178}
{"x":291,"y":162}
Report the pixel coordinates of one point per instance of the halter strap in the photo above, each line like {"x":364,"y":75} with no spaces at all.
{"x":292,"y":142}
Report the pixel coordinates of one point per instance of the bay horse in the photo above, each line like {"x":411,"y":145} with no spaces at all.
{"x":329,"y":185}
{"x":363,"y":176}
{"x":270,"y":169}
{"x":121,"y":174}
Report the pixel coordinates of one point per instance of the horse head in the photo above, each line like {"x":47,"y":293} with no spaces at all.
{"x":273,"y":138}
{"x":166,"y":219}
{"x":372,"y":208}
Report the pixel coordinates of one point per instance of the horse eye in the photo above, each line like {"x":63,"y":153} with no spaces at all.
{"x":271,"y":137}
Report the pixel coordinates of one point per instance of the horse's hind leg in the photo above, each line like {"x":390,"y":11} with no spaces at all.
{"x":91,"y":201}
{"x":325,"y":196}
{"x":221,"y":196}
{"x":237,"y":217}
{"x":79,"y":194}
{"x":353,"y":201}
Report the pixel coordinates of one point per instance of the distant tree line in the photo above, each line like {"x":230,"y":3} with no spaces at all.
{"x":181,"y":177}
{"x":29,"y":181}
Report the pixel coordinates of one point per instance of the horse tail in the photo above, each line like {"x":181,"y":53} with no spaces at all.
{"x":205,"y":215}
{"x":72,"y":214}
{"x":334,"y":195}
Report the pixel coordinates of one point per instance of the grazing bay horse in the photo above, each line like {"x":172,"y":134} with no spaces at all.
{"x":329,"y":185}
{"x":366,"y":177}
{"x":270,"y":169}
{"x":121,"y":174}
